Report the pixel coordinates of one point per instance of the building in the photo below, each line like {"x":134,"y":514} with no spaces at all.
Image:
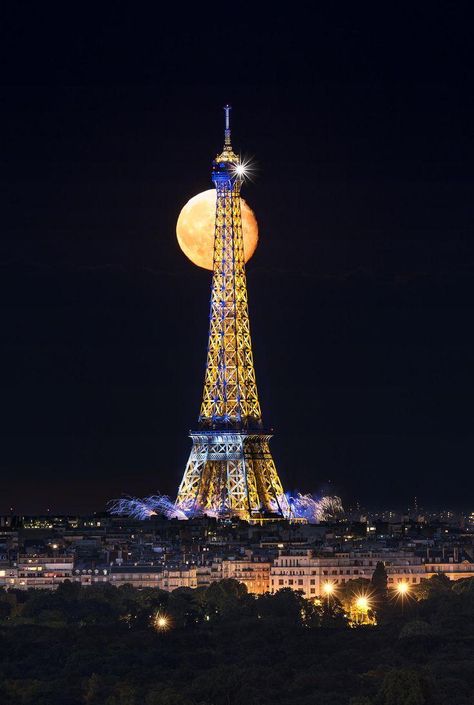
{"x":304,"y":570}
{"x":141,"y":576}
{"x":38,"y":571}
{"x":255,"y":575}
{"x":179,"y":577}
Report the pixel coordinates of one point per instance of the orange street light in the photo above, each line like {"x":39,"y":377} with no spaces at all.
{"x":161,"y":622}
{"x":362,"y":603}
{"x":402,"y":588}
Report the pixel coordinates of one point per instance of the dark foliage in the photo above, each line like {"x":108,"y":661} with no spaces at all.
{"x":101,"y":646}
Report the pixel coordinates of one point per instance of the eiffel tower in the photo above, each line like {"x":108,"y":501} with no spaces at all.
{"x":230,"y":471}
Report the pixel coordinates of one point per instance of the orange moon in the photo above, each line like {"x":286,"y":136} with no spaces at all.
{"x":195,"y":229}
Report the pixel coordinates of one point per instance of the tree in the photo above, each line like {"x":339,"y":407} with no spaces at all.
{"x":285,"y":604}
{"x":224,"y":596}
{"x":139,"y":605}
{"x":379,"y":583}
{"x":39,"y":601}
{"x":166,"y":696}
{"x":464,"y":586}
{"x":401,"y":687}
{"x":184,"y":607}
{"x":416,"y":628}
{"x":69,"y":591}
{"x":385,"y":610}
{"x":439,"y":585}
{"x":332,"y":613}
{"x":5,"y":609}
{"x":124,"y":694}
{"x":94,"y":691}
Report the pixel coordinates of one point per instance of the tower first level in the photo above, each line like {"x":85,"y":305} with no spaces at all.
{"x":232,"y":473}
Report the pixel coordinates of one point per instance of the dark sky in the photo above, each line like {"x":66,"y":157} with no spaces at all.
{"x":361,"y":291}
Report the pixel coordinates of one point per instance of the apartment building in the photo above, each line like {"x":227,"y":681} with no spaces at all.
{"x":303,"y":570}
{"x":255,"y":575}
{"x":37,"y":571}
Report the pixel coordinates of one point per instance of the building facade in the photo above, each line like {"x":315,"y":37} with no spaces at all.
{"x":303,"y":570}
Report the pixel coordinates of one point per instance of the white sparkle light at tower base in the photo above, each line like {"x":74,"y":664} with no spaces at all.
{"x":308,"y":507}
{"x":314,"y":509}
{"x":154,"y":505}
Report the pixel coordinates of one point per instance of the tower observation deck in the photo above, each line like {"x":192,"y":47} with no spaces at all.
{"x":230,"y":471}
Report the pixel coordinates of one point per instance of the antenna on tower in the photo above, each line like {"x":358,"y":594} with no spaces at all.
{"x":227,"y":109}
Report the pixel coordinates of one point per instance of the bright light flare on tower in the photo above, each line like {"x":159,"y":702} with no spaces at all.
{"x":328,"y":588}
{"x":245,"y":169}
{"x":402,"y":588}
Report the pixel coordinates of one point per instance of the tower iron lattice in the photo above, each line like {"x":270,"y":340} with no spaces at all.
{"x":230,"y":471}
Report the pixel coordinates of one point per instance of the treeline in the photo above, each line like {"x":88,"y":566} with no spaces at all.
{"x":102,"y":645}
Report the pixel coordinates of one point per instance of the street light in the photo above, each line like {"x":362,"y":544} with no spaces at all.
{"x":362,"y":606}
{"x":402,"y":589}
{"x":362,"y":603}
{"x":328,"y":588}
{"x":161,"y":622}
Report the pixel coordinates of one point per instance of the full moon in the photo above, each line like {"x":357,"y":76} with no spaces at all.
{"x":195,"y":229}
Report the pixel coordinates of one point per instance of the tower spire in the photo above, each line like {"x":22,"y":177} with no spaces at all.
{"x":227,"y":144}
{"x":227,"y":155}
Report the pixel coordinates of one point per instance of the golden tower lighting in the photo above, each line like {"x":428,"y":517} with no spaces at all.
{"x":230,"y":471}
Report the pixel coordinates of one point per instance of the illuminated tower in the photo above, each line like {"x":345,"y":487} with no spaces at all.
{"x":230,"y":471}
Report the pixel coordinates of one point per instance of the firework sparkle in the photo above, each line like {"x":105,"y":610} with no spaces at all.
{"x":309,"y":507}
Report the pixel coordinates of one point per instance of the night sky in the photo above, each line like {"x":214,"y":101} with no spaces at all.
{"x":362,"y":288}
